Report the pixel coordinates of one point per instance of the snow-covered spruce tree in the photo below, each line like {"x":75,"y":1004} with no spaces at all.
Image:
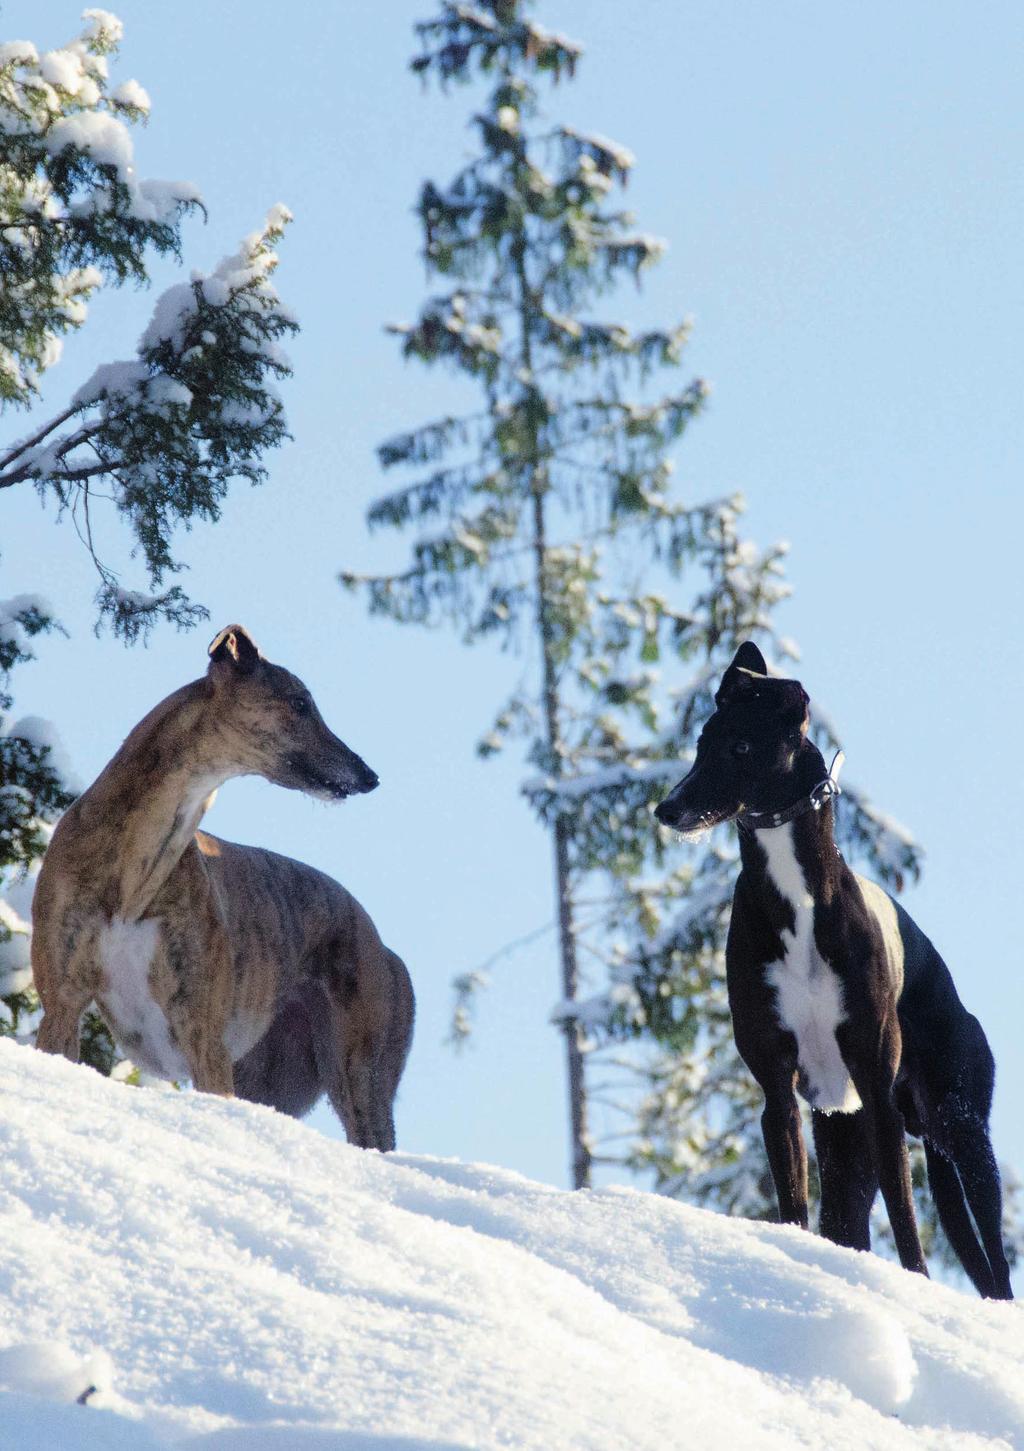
{"x":163,"y":434}
{"x":510,"y":533}
{"x":547,"y":520}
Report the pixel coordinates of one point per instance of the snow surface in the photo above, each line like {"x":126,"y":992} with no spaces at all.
{"x":229,"y":1280}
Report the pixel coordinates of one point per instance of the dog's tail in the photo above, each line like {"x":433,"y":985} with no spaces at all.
{"x":948,"y":1193}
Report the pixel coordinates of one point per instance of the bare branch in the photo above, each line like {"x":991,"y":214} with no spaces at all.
{"x":31,"y":442}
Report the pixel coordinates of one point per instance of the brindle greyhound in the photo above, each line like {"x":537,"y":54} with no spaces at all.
{"x":241,"y":970}
{"x":835,"y":991}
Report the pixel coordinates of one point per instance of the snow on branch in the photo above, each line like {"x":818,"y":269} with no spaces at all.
{"x":73,"y":208}
{"x":570,"y":789}
{"x":169,"y":429}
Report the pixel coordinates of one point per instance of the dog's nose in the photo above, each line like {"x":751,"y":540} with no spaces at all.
{"x":664,"y":812}
{"x":366,"y":780}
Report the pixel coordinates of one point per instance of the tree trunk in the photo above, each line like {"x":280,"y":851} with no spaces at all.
{"x":579,"y":1139}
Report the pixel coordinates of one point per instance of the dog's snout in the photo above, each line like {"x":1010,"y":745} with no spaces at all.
{"x":665,"y":812}
{"x":358,"y":774}
{"x":369,"y":780}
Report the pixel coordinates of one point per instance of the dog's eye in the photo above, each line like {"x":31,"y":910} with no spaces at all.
{"x":299,"y":704}
{"x":740,"y":748}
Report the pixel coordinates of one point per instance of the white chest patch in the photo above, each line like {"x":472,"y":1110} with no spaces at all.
{"x":126,"y":951}
{"x":808,"y":994}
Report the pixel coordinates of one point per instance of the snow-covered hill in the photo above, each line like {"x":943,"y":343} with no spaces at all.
{"x":230,"y":1280}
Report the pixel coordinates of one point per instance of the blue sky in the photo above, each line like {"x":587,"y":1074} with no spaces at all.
{"x":842,"y":193}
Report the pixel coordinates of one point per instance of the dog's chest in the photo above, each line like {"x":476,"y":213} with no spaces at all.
{"x":808,"y":993}
{"x":127,"y":951}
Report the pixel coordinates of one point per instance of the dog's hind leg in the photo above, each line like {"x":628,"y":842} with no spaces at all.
{"x":397,"y":1039}
{"x":848,"y":1178}
{"x":947,"y":1191}
{"x":874,"y":1075}
{"x":956,"y":1092}
{"x":363,"y":1043}
{"x":965,"y":1136}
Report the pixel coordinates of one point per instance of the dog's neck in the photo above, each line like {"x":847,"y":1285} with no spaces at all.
{"x":143,"y":810}
{"x":810,"y":837}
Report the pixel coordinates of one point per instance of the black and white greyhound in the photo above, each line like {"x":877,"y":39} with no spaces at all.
{"x":837,"y":993}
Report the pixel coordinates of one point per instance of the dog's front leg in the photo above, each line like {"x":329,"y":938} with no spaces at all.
{"x":196,"y":986}
{"x":770,"y":1054}
{"x":198,"y":1026}
{"x":846,"y":1173}
{"x":210,"y":1067}
{"x":65,"y":970}
{"x":784,"y":1142}
{"x":59,"y":1030}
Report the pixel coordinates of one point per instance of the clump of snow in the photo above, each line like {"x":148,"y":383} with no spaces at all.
{"x":164,"y":392}
{"x":160,"y":201}
{"x":103,"y":27}
{"x":279,"y":216}
{"x":243,"y":276}
{"x":17,"y":52}
{"x":134,"y":599}
{"x":38,"y":732}
{"x":13,"y":612}
{"x":49,"y":1368}
{"x":130,"y":93}
{"x":63,"y":68}
{"x":101,"y":136}
{"x":42,"y":735}
{"x":171,"y":312}
{"x":256,"y":1285}
{"x":112,"y":379}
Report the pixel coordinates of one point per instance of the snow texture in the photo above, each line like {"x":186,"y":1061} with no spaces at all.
{"x":99,"y":135}
{"x":18,"y":52}
{"x":213,"y":1276}
{"x":130,"y":93}
{"x":15,"y":968}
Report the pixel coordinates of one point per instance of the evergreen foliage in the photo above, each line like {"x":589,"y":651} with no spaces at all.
{"x":168,"y":430}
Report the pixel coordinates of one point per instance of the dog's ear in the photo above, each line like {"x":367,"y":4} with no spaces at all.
{"x":235,"y":648}
{"x":749,"y":657}
{"x":747,"y":663}
{"x":796,"y":709}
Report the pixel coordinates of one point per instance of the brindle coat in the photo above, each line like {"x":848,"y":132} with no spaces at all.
{"x":239,"y":969}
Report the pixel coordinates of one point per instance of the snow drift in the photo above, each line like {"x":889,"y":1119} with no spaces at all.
{"x":229,"y":1280}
